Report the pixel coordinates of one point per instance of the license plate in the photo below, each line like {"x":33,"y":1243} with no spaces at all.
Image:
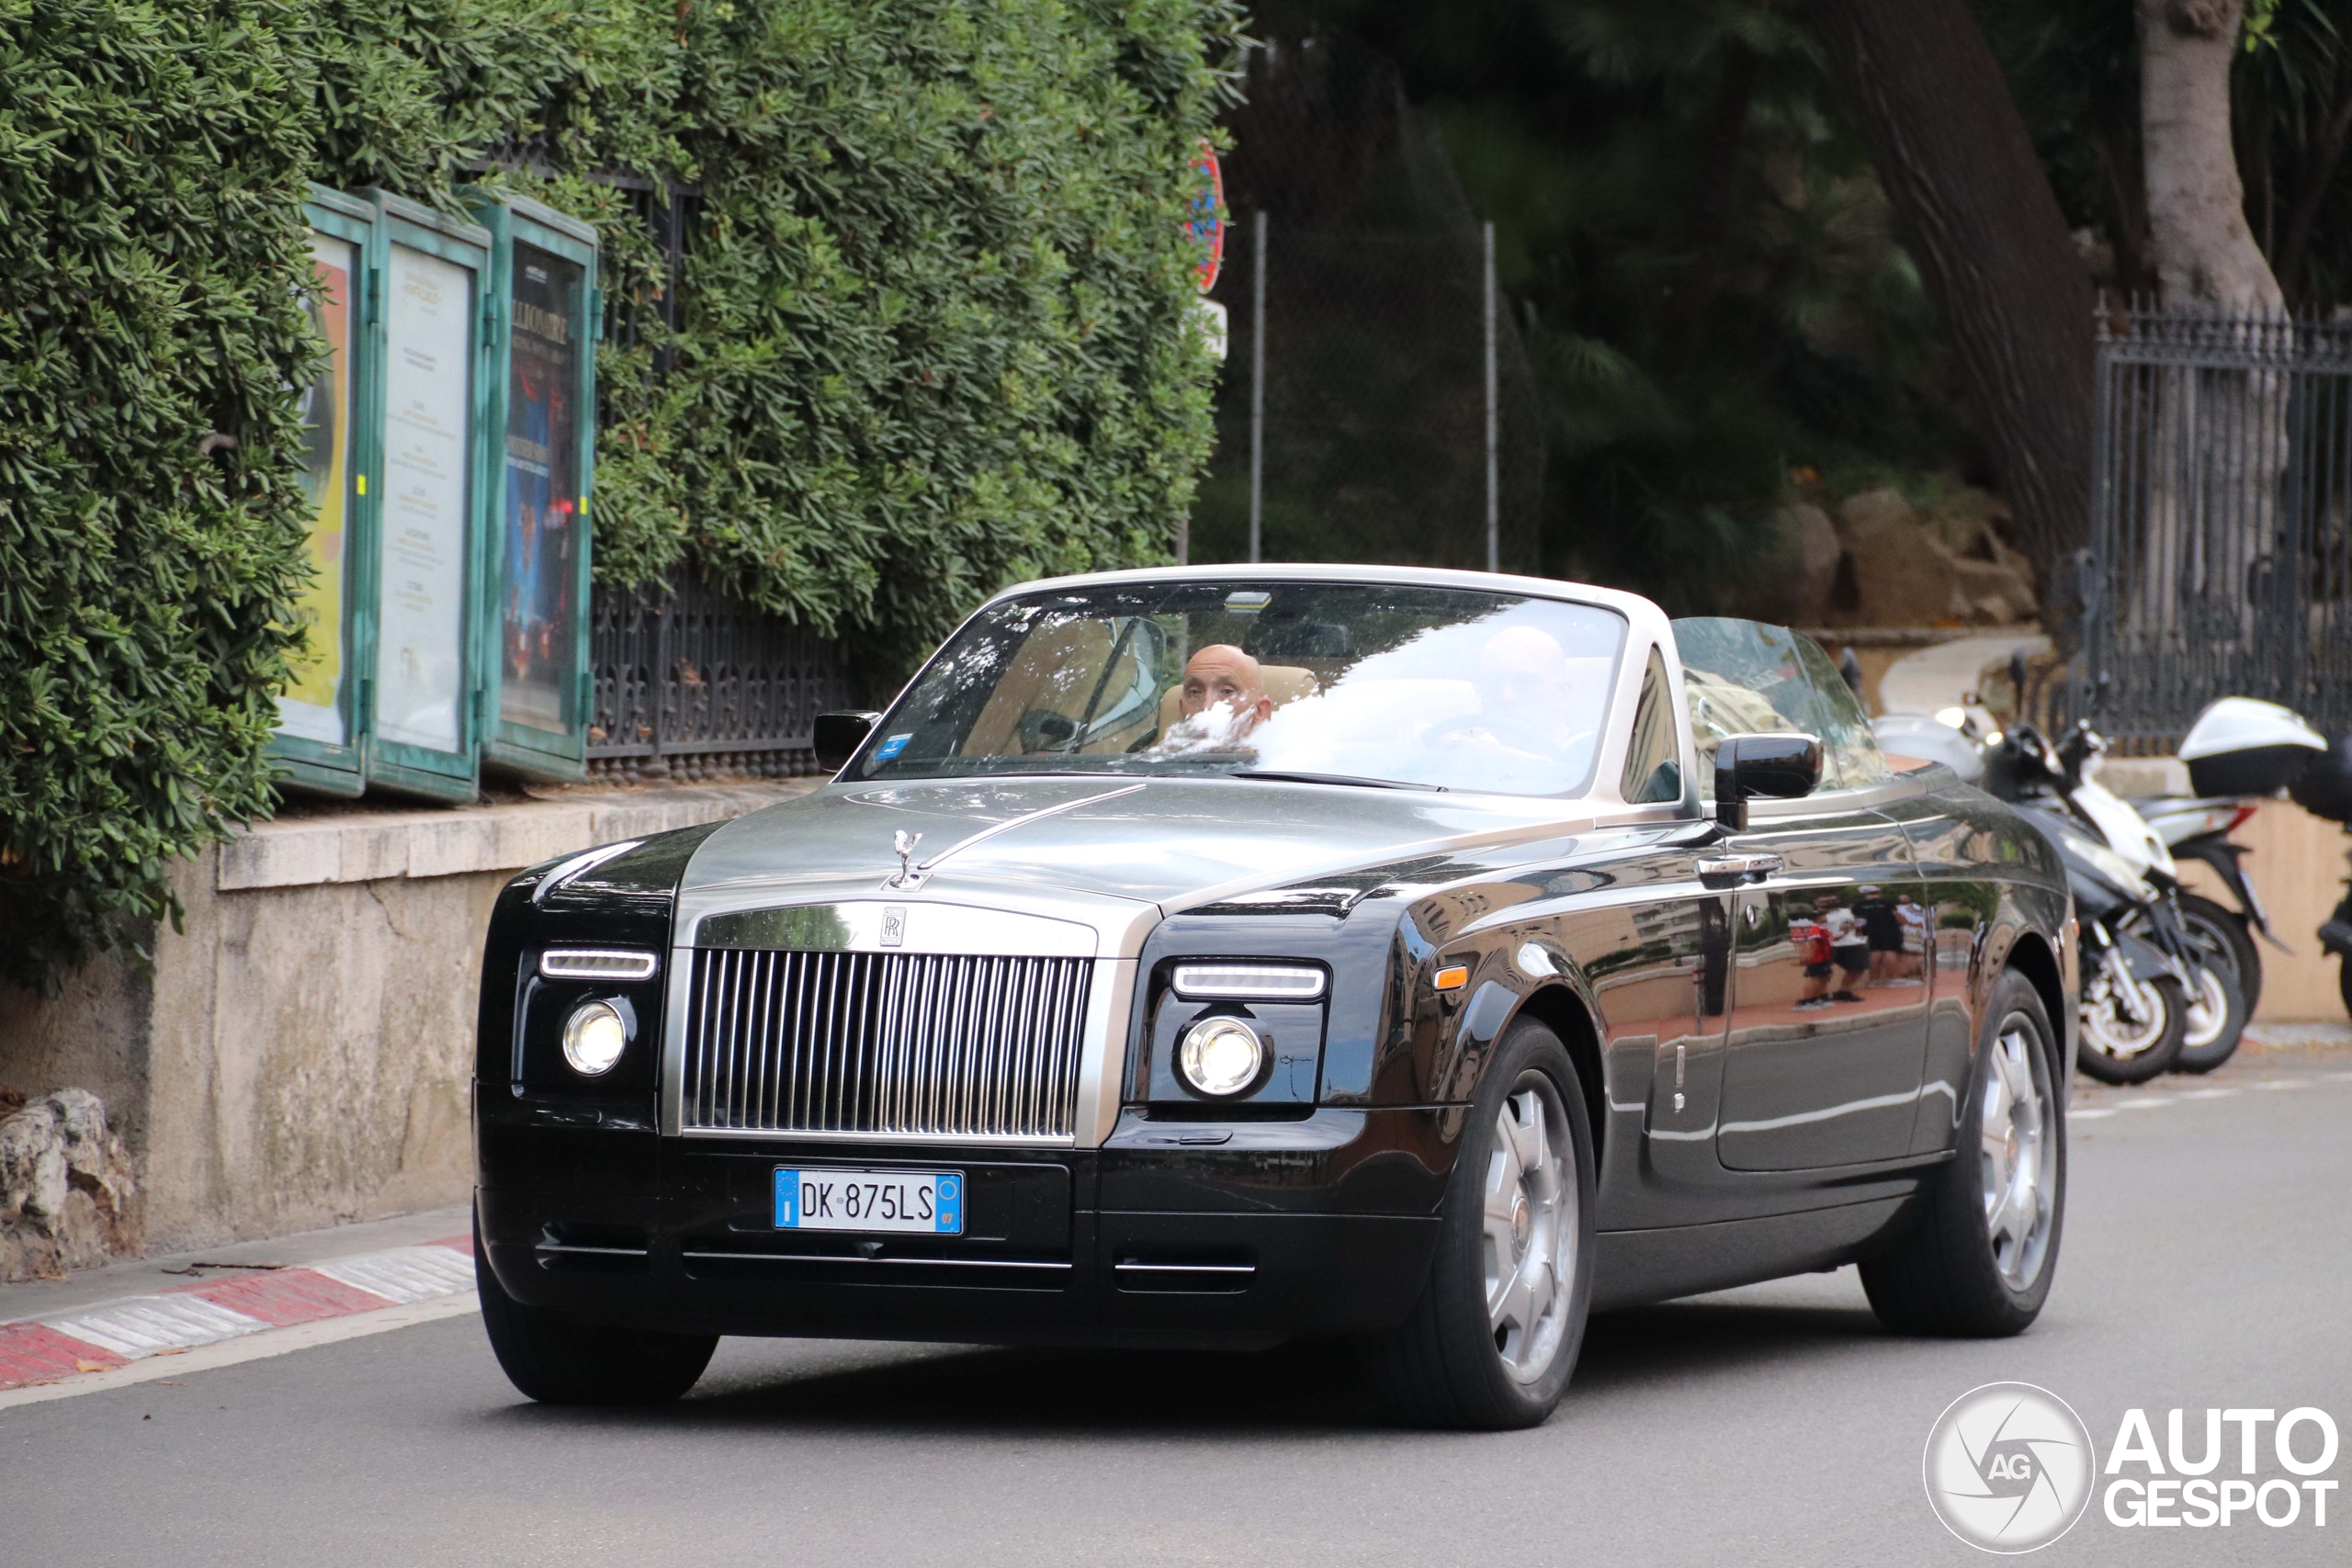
{"x":926,"y":1203}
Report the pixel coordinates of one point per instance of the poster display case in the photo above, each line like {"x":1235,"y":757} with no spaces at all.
{"x":545,"y":311}
{"x":318,"y":745}
{"x":449,"y":461}
{"x":421,"y":697}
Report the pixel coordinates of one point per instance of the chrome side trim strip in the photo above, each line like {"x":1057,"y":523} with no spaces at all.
{"x":570,"y":1250}
{"x":1185,"y":1268}
{"x":578,"y":863}
{"x":852,"y":1257}
{"x":1008,"y":825}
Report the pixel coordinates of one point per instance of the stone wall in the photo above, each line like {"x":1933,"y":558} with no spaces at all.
{"x":298,"y":1052}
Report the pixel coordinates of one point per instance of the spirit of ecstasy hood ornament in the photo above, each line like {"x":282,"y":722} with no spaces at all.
{"x":905,"y":842}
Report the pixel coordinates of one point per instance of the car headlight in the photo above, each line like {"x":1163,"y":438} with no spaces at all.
{"x":1220,"y":1057}
{"x":593,"y":1038}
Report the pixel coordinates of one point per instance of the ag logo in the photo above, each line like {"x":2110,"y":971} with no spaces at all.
{"x":2009,"y":1467}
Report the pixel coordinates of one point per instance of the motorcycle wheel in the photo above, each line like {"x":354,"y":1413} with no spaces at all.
{"x":2215,"y":1020}
{"x":2117,"y":1048}
{"x":2222,"y":933}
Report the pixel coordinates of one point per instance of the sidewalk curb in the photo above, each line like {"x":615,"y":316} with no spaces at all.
{"x":94,"y":1340}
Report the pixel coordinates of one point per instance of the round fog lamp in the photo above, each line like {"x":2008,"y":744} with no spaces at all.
{"x":593,"y":1037}
{"x":1220,"y":1057}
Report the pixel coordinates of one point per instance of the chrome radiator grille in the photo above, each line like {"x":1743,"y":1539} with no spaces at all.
{"x":923,"y":1044}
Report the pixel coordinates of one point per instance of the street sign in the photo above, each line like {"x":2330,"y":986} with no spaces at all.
{"x":1206,"y":224}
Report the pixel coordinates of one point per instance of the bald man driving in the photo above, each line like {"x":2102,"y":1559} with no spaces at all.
{"x":1224,"y":699}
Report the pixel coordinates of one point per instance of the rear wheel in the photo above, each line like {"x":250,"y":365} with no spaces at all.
{"x":558,"y":1358}
{"x":2132,"y":1032}
{"x":1495,"y":1335}
{"x":1978,"y":1262}
{"x":2214,"y":1021}
{"x":2224,"y":933}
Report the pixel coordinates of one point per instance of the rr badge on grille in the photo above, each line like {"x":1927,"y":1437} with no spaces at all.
{"x":893,"y":926}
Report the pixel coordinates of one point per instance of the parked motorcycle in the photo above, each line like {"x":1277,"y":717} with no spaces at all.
{"x":2237,"y":747}
{"x":2326,"y":791}
{"x":2152,"y":1000}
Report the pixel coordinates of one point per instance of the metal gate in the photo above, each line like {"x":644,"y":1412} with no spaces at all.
{"x":693,"y":685}
{"x":2220,"y":559}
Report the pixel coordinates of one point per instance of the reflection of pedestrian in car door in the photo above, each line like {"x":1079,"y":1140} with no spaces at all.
{"x":1851,"y":948}
{"x":1881,"y":933}
{"x":1811,"y":939}
{"x":1913,"y":964}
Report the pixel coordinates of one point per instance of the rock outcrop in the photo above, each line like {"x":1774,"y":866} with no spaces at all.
{"x":66,"y":1189}
{"x":1911,"y":570}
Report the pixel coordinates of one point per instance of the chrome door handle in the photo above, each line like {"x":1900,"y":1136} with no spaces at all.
{"x":1732,"y":871}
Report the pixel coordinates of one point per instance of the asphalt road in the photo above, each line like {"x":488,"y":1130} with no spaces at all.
{"x":2206,"y":1262}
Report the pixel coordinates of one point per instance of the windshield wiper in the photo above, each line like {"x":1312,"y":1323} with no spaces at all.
{"x":1286,"y":776}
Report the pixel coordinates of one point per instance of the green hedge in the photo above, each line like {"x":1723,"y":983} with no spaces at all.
{"x":933,"y":323}
{"x":934,"y":337}
{"x":152,"y":161}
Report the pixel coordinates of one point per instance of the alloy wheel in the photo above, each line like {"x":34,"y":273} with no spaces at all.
{"x":2019,"y":1154}
{"x":1530,"y":1230}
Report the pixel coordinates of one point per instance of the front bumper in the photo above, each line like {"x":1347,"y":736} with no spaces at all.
{"x":1171,"y":1232}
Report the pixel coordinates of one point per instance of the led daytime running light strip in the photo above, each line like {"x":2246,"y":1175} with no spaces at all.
{"x":597,"y":963}
{"x":1249,"y":982}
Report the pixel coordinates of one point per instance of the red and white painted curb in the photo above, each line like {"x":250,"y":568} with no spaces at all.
{"x":99,"y":1339}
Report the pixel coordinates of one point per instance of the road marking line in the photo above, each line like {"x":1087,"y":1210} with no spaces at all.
{"x":2089,"y":1115}
{"x":188,"y":1317}
{"x":251,"y":1348}
{"x":143,"y":1326}
{"x":404,"y":1274}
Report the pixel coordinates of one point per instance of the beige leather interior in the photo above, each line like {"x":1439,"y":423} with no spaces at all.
{"x":1042,"y":675}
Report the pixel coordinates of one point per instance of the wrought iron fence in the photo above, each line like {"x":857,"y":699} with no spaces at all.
{"x":2220,"y":559}
{"x":694,"y":684}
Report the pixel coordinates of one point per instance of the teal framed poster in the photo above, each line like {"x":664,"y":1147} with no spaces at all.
{"x":319,"y":745}
{"x":422,"y":693}
{"x":540,"y":411}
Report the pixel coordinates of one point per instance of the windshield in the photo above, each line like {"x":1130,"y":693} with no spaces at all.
{"x":1437,"y":688}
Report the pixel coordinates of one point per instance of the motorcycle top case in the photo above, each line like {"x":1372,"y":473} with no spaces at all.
{"x":2239,"y":746}
{"x":2324,"y":789}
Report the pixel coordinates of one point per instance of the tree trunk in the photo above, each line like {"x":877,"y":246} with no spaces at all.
{"x":1978,"y":214}
{"x":2219,"y":450}
{"x":2204,"y":252}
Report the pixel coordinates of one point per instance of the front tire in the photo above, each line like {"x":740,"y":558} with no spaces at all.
{"x":2120,"y":1048}
{"x":558,"y":1358}
{"x":1494,"y":1337}
{"x":1978,"y":1262}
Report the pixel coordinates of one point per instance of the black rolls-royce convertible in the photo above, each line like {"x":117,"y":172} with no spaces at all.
{"x":1220,"y":954}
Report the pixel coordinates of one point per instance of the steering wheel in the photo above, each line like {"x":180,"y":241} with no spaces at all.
{"x":1515,"y":734}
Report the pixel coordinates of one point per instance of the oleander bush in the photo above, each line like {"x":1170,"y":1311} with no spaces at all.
{"x":935,"y":333}
{"x":152,"y":161}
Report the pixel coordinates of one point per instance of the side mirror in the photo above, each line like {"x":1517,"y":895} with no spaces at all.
{"x":1763,"y":767}
{"x":839,"y":735}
